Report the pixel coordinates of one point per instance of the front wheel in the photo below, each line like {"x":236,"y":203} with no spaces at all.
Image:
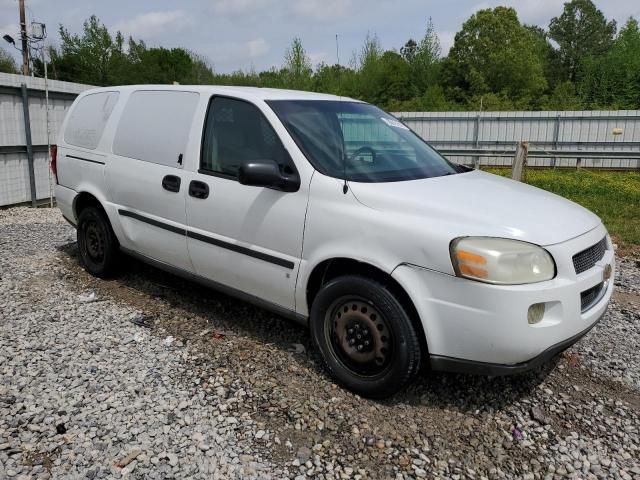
{"x":365,"y":336}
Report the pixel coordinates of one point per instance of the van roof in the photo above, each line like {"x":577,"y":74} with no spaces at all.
{"x":254,"y":93}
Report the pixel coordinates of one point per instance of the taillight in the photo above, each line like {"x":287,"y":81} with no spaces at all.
{"x":54,"y":161}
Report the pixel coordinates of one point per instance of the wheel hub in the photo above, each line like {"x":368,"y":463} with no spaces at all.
{"x":361,"y":336}
{"x":94,"y":241}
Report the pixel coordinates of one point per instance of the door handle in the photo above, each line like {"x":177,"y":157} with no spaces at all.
{"x":171,"y":183}
{"x":198,"y":189}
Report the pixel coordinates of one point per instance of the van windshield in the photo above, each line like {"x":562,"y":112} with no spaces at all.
{"x":359,"y":142}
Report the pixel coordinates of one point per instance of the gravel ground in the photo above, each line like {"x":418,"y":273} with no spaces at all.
{"x":148,"y":376}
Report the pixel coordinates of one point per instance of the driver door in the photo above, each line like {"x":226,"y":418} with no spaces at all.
{"x":244,"y":237}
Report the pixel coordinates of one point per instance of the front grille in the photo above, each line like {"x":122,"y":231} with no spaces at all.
{"x":586,"y":259}
{"x":589,"y":297}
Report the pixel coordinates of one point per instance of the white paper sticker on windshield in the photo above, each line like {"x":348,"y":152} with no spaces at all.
{"x":394,"y":123}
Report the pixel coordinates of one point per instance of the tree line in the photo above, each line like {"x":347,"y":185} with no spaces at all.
{"x":580,"y":61}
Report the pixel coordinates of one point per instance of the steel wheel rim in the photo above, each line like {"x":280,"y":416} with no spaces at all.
{"x":94,"y":240}
{"x":359,"y":336}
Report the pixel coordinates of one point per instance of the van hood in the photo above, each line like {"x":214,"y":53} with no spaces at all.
{"x":480,"y":203}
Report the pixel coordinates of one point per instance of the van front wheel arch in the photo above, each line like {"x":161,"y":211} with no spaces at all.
{"x":365,"y":336}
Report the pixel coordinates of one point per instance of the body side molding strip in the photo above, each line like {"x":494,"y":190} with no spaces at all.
{"x":210,"y":240}
{"x":151,"y":221}
{"x":84,"y":159}
{"x":243,"y":250}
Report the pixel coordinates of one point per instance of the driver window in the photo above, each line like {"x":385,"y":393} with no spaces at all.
{"x":235,"y":132}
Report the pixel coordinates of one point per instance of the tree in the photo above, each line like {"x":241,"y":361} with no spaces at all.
{"x":433,"y":100}
{"x":581,"y":31}
{"x":408,"y":51}
{"x":426,"y":61}
{"x":7,"y":62}
{"x":297,"y":66}
{"x":367,"y":65}
{"x":494,"y":53}
{"x":201,"y":69}
{"x":549,"y":55}
{"x":96,"y":57}
{"x":563,"y":97}
{"x":335,"y":79}
{"x":86,"y":58}
{"x":613,"y":80}
{"x":392,"y":81}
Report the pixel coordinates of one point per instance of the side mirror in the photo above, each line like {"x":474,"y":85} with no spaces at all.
{"x":266,"y":173}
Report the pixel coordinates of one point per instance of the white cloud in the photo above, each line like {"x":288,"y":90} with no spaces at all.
{"x":322,"y":9}
{"x":446,"y":41}
{"x":152,"y":24}
{"x":12,"y":29}
{"x":538,"y":12}
{"x":258,"y":47}
{"x":320,"y":57}
{"x":236,"y":7}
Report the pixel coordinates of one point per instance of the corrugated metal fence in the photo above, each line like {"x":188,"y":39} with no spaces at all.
{"x":556,"y":138}
{"x":597,"y":139}
{"x":18,"y":172}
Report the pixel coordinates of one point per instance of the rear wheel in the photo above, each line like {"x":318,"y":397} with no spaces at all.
{"x":98,"y":245}
{"x":365,"y":336}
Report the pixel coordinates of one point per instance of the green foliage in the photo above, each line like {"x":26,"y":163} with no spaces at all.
{"x":425,"y":60}
{"x":613,"y":79}
{"x":582,"y":32}
{"x":297,"y":66}
{"x":494,"y":54}
{"x":7,"y":63}
{"x":496,"y":63}
{"x":335,"y":79}
{"x":564,"y":97}
{"x":96,"y":57}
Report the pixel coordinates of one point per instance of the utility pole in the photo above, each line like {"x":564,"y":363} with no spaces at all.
{"x":25,"y":40}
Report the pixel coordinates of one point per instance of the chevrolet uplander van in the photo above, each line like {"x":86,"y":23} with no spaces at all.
{"x":334,"y":213}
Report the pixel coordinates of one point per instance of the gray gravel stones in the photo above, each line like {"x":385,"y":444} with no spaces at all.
{"x":148,"y":376}
{"x":612,"y":348}
{"x":85,"y":393}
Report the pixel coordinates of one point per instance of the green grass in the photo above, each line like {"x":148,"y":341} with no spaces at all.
{"x":613,"y":196}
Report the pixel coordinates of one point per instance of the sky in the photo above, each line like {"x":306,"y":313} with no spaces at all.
{"x":244,"y":34}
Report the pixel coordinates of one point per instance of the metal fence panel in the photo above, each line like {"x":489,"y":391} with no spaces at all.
{"x":555,"y":137}
{"x":14,"y":165}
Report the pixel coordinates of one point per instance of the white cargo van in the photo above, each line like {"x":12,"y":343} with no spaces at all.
{"x":332,"y":212}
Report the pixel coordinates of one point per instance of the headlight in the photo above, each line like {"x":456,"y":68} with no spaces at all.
{"x":501,"y":261}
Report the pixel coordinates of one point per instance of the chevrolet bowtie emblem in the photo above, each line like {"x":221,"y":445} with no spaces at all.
{"x":606,"y":274}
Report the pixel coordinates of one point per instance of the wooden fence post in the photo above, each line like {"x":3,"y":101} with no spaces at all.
{"x":520,"y":161}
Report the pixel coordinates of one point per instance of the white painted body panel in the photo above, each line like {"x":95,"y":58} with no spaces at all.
{"x":488,"y":323}
{"x":402,"y":228}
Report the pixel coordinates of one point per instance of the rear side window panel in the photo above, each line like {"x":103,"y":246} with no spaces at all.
{"x":155,"y":126}
{"x":88,"y":118}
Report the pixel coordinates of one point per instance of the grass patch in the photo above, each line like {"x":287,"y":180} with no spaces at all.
{"x":613,"y":196}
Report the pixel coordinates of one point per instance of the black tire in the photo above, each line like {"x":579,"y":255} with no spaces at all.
{"x":347,"y":313}
{"x":98,"y":245}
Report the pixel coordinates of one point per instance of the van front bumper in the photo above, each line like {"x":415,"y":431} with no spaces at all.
{"x":459,"y":365}
{"x":480,"y":328}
